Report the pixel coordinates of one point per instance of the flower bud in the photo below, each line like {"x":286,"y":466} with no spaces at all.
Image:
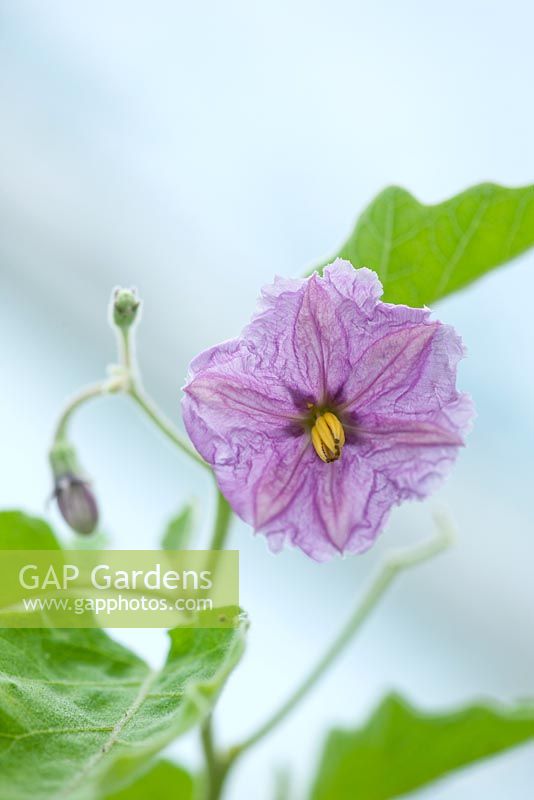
{"x":125,"y":306}
{"x":76,"y":503}
{"x":71,"y":490}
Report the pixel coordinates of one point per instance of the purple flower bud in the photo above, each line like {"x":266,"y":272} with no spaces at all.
{"x":71,"y":490}
{"x":76,"y":503}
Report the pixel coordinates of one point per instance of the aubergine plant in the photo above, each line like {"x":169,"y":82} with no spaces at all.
{"x":337,"y":402}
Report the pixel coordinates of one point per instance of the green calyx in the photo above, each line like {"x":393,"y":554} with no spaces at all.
{"x":63,"y":459}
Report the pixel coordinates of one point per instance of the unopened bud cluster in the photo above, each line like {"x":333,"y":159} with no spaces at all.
{"x":72,"y":490}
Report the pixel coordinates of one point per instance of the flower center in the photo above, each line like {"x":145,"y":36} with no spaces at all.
{"x":328,"y":437}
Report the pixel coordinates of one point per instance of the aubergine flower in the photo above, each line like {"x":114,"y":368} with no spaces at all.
{"x":330,"y":408}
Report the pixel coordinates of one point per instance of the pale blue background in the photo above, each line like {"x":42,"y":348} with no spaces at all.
{"x":193,"y":150}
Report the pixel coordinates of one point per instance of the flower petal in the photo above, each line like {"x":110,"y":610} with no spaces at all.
{"x":410,"y":367}
{"x":332,"y":508}
{"x":415,"y":454}
{"x":280,"y":487}
{"x":306,"y":330}
{"x":228,"y":402}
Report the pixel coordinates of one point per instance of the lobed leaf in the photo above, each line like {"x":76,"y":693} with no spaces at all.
{"x":80,"y":713}
{"x":424,"y":252}
{"x":401,"y":749}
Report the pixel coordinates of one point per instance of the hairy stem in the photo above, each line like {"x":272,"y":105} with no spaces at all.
{"x":127,"y":382}
{"x":89,"y":393}
{"x":217,"y":767}
{"x":221,"y":528}
{"x":126,"y":350}
{"x":139,"y":396}
{"x":392,"y":566}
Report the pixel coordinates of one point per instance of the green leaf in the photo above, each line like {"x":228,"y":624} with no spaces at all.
{"x":424,"y":252}
{"x":165,"y":781}
{"x":19,"y":531}
{"x":80,"y":714}
{"x":401,"y":749}
{"x":179,"y":529}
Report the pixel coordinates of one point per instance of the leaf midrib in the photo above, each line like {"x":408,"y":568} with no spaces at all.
{"x":108,"y":745}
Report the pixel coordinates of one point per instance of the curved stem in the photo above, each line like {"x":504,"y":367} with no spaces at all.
{"x":393,"y":565}
{"x":148,"y":406}
{"x":89,"y":393}
{"x":128,"y":383}
{"x":138,"y":394}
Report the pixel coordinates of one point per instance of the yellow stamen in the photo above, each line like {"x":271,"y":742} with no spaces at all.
{"x":328,"y":437}
{"x":335,"y":426}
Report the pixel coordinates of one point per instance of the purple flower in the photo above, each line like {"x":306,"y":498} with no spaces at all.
{"x":330,"y":408}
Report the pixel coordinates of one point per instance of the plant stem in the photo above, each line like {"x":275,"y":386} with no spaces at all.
{"x":216,"y":767}
{"x":89,"y":393}
{"x":147,"y":405}
{"x":126,"y":350}
{"x":139,"y":396}
{"x":393,"y":565}
{"x":217,"y":764}
{"x":221,"y":526}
